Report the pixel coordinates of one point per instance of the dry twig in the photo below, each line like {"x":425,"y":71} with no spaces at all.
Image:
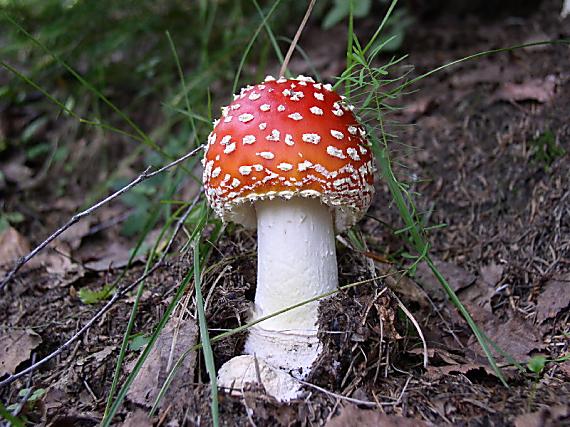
{"x":142,"y":177}
{"x":109,"y":304}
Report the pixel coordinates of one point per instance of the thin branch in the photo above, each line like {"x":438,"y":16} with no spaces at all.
{"x":77,"y":217}
{"x":109,"y":304}
{"x":296,"y":38}
{"x":352,"y":399}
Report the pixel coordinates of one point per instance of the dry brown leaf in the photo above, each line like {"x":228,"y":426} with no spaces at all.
{"x":74,"y":234}
{"x":116,"y":255}
{"x":554,"y":298}
{"x":516,"y":336}
{"x":546,"y":417}
{"x":351,"y":415}
{"x":15,"y":348}
{"x":492,"y":273}
{"x":437,"y":372}
{"x":138,"y":418}
{"x":457,"y":277}
{"x":12,"y":246}
{"x":176,"y":338}
{"x":539,"y":90}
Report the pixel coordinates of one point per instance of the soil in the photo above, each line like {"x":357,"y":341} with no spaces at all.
{"x":485,"y":148}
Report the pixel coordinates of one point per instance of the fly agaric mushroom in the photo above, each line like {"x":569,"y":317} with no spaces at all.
{"x":289,"y":157}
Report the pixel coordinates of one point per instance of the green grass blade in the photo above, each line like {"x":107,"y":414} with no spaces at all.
{"x":204,"y":335}
{"x":134,"y":310}
{"x":64,"y":108}
{"x":182,"y":82}
{"x":252,"y":41}
{"x":144,"y":137}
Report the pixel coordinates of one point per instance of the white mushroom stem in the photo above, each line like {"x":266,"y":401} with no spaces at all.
{"x":296,"y":262}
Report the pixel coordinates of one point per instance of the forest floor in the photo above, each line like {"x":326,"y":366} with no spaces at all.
{"x":488,"y":142}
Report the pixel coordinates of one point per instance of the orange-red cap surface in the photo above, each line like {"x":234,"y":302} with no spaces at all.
{"x":288,"y":138}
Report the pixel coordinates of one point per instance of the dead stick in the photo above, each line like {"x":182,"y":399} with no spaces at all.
{"x":109,"y":304}
{"x":296,"y":38}
{"x":77,"y":217}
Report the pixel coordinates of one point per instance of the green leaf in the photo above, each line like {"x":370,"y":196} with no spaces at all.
{"x":93,"y":297}
{"x":537,"y":363}
{"x":138,"y":341}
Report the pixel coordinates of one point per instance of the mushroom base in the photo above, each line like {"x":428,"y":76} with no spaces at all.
{"x":292,"y":353}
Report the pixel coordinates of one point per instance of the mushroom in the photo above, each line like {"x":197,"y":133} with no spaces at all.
{"x":288,"y":157}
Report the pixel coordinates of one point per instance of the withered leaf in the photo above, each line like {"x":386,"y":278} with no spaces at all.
{"x":546,"y":417}
{"x":554,"y":298}
{"x":175,"y":339}
{"x":457,"y":277}
{"x":15,"y":348}
{"x":12,"y":246}
{"x":351,"y":415}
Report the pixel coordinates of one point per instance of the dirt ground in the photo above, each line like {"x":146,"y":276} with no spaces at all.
{"x":484,"y":144}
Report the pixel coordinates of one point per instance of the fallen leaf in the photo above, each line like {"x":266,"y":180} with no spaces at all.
{"x":138,"y":418}
{"x":12,"y":246}
{"x":539,"y":90}
{"x":74,"y":234}
{"x":516,"y":336}
{"x":457,"y":277}
{"x":492,"y":273}
{"x":115,"y":256}
{"x":351,"y":415}
{"x":437,"y":372}
{"x":176,"y":338}
{"x":554,"y":298}
{"x":546,"y":417}
{"x":15,"y":348}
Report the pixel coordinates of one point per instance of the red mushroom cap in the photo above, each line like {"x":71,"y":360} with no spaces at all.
{"x":288,"y":138}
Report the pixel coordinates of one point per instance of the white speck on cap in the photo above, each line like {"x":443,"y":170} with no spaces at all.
{"x":281,"y":107}
{"x":352,"y":153}
{"x":262,"y":126}
{"x":228,"y":119}
{"x":289,"y":140}
{"x":295,"y":116}
{"x":225,"y":140}
{"x":316,"y":111}
{"x":254,"y":96}
{"x":268,"y":155}
{"x":275,"y":134}
{"x":338,"y":112}
{"x":319,"y":96}
{"x":335,"y":152}
{"x":230,"y":148}
{"x":352,"y":130}
{"x":285,"y":166}
{"x":313,"y":138}
{"x":269,"y":78}
{"x":216,"y":172}
{"x":303,"y":166}
{"x":245,"y":117}
{"x":265,"y":107}
{"x":245,"y":170}
{"x":248,"y":139}
{"x":337,"y":134}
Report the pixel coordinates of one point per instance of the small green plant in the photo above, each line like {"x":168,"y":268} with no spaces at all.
{"x":536,"y":364}
{"x":88,"y":296}
{"x":545,"y":150}
{"x":9,"y":218}
{"x":395,"y":27}
{"x":138,"y":341}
